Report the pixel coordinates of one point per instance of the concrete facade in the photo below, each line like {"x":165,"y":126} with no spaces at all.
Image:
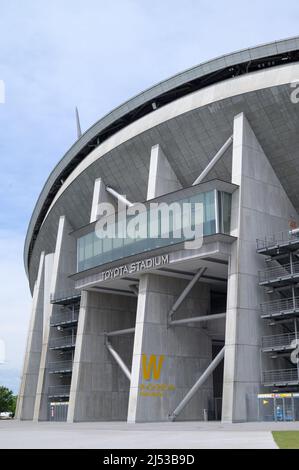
{"x":141,"y":332}
{"x":57,"y":268}
{"x":260,"y":207}
{"x":186,"y":352}
{"x":162,"y":179}
{"x":27,"y":394}
{"x":99,"y":389}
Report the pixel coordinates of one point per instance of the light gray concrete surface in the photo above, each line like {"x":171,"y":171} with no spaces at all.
{"x":186,"y":352}
{"x":57,"y":276}
{"x":162,"y":179}
{"x":260,"y":207}
{"x":99,"y":388}
{"x":27,"y":393}
{"x":187,"y":435}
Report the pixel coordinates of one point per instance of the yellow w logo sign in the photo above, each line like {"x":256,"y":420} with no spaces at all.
{"x":150,"y":366}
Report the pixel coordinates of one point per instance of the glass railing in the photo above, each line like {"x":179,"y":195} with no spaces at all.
{"x":94,"y":250}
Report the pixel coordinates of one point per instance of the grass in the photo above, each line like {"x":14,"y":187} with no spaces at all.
{"x":286,"y":439}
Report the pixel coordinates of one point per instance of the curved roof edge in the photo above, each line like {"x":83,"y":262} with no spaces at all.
{"x":188,"y":81}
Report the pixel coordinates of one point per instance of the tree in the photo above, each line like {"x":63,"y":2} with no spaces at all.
{"x":7,"y":400}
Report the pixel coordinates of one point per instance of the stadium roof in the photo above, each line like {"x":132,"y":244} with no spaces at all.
{"x":206,"y":74}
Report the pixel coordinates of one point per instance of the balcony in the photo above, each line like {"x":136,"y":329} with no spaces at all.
{"x":160,"y":228}
{"x":59,"y":391}
{"x":281,"y":378}
{"x":65,"y":297}
{"x":279,"y":342}
{"x":62,"y":342}
{"x":61,"y":367}
{"x":280,"y":243}
{"x":282,"y":308}
{"x":65,"y":319}
{"x":280,"y":275}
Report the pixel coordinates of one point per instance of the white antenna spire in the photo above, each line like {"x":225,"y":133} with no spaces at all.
{"x":79,"y":132}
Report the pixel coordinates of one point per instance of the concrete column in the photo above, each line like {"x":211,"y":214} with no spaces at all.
{"x":26,"y":397}
{"x":168,"y":361}
{"x":49,"y":259}
{"x":99,"y":388}
{"x":260,"y":207}
{"x":162,"y":179}
{"x":59,"y":266}
{"x":100,"y":195}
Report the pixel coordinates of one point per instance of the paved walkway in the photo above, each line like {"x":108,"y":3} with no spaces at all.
{"x":187,"y":435}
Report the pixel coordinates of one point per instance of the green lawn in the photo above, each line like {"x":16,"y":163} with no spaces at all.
{"x":286,"y":439}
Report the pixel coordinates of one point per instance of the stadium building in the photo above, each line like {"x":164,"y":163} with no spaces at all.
{"x":154,"y":328}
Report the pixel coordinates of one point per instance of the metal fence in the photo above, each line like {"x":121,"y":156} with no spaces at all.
{"x":58,"y":411}
{"x":272,"y":407}
{"x":59,"y":391}
{"x":278,"y":341}
{"x":278,"y":407}
{"x":65,"y":295}
{"x":277,"y":239}
{"x":280,"y":306}
{"x":281,"y":377}
{"x":60,"y":318}
{"x":63,"y":342}
{"x":60,"y":367}
{"x":279,"y":272}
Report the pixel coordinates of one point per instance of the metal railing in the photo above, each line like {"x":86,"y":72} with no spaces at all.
{"x":281,"y":377}
{"x":63,"y":342}
{"x":280,"y":307}
{"x":64,"y":295}
{"x":277,"y":239}
{"x":279,"y":272}
{"x":60,"y":367}
{"x":283,"y":341}
{"x":59,"y":391}
{"x":61,"y":318}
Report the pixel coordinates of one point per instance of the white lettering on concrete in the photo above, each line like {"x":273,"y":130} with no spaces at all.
{"x":135,"y":267}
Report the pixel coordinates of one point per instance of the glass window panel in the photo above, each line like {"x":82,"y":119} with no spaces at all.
{"x":93,"y":251}
{"x":224,"y":205}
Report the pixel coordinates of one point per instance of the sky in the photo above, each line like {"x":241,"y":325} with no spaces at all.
{"x":94,"y":54}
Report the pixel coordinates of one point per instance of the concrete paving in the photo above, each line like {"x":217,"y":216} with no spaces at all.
{"x":186,"y":435}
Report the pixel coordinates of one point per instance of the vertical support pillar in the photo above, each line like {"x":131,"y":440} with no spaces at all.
{"x":260,"y":207}
{"x":26,"y":397}
{"x":100,"y":195}
{"x":99,"y":388}
{"x":162,"y":179}
{"x":60,"y":265}
{"x":168,"y":361}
